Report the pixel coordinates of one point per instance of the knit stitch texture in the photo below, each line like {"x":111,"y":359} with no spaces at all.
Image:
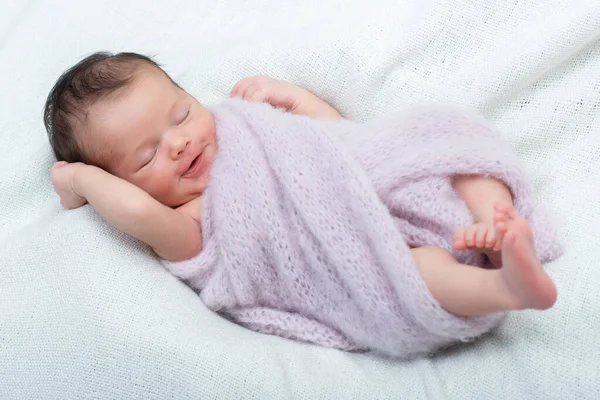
{"x":308,"y":224}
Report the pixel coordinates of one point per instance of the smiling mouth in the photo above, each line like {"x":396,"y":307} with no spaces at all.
{"x":194,"y":167}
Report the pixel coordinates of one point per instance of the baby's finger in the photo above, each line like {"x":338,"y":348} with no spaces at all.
{"x":247,"y":85}
{"x":249,"y":92}
{"x":234,"y":90}
{"x":257,"y":94}
{"x":242,"y":87}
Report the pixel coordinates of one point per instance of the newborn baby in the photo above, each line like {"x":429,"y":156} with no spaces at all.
{"x":139,"y":149}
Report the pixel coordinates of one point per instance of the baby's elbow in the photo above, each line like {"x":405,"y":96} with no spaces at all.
{"x":183,"y":250}
{"x":190,"y":251}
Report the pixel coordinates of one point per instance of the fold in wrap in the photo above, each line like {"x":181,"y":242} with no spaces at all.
{"x":308,"y":224}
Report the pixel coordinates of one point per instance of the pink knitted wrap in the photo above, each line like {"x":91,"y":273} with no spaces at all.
{"x":307,"y":224}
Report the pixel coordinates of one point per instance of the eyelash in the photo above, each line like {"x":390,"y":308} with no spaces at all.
{"x":184,"y":118}
{"x":149,"y":160}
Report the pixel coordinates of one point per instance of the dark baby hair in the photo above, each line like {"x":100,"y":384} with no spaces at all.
{"x":92,"y":79}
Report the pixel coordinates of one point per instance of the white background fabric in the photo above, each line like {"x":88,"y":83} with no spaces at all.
{"x":87,"y":312}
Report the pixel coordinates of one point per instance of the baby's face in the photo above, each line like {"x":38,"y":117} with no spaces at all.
{"x":157,"y":137}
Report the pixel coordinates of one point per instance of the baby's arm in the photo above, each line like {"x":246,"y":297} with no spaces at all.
{"x":172,"y":234}
{"x":285,"y":95}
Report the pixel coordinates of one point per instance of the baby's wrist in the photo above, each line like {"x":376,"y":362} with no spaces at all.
{"x":82,"y":174}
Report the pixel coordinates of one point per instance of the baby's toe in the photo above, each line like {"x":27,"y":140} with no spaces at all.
{"x":480,"y":237}
{"x":501,"y":228}
{"x":499,"y":217}
{"x":458,"y":239}
{"x":503,"y":207}
{"x":490,"y":239}
{"x":470,"y":236}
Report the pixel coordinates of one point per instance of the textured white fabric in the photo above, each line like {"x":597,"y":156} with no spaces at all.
{"x":88,"y":312}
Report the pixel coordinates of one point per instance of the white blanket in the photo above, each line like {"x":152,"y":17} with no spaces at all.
{"x":88,"y":312}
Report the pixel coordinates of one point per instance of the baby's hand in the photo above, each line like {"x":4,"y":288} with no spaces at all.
{"x":284,"y":95}
{"x":62,"y":174}
{"x":270,"y":90}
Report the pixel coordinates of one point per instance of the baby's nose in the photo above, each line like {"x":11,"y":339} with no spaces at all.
{"x":178,"y":143}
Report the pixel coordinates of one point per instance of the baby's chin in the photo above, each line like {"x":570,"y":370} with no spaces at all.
{"x":179,"y":200}
{"x":181,"y":192}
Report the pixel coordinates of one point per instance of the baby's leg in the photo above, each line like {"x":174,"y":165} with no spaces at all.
{"x":480,"y":194}
{"x":462,"y":289}
{"x":466,"y":290}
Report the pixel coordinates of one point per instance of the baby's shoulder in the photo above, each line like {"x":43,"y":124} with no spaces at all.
{"x":191,"y":208}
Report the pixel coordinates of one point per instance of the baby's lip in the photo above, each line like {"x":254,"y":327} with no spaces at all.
{"x":194,"y":164}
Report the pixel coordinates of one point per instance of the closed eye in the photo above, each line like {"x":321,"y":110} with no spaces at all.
{"x":148,"y":160}
{"x":184,"y":117}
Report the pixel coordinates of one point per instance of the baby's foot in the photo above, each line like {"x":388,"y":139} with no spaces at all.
{"x":527,"y":283}
{"x":480,"y":236}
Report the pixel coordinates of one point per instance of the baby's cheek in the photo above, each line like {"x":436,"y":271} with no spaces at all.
{"x":160,"y":186}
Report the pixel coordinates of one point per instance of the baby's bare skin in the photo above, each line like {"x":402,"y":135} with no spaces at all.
{"x":518,"y":282}
{"x":523,"y":274}
{"x":508,"y":241}
{"x":165,"y":141}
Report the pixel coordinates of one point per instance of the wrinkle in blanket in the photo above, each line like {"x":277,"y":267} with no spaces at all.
{"x":308,"y":224}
